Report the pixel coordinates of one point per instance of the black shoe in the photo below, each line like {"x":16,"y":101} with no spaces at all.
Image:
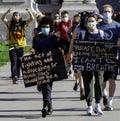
{"x":10,"y":76}
{"x":82,"y":97}
{"x":39,"y":88}
{"x":50,"y":109}
{"x":44,"y":111}
{"x":108,"y":108}
{"x":105,"y":101}
{"x":14,"y":79}
{"x":75,"y":87}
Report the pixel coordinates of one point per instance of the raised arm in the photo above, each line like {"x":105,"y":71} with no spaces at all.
{"x":30,"y":14}
{"x":4,"y":19}
{"x":74,"y":36}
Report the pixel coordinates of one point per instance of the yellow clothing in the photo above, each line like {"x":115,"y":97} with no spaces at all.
{"x":17,"y":35}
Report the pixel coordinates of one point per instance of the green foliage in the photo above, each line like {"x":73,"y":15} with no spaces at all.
{"x":4,"y":53}
{"x":27,"y":49}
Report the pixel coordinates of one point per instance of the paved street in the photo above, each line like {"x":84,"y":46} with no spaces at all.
{"x":18,"y":103}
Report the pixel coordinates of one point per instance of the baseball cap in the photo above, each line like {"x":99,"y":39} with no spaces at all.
{"x":16,"y":13}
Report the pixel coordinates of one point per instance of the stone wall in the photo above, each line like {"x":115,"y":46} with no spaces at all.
{"x":75,"y":6}
{"x":114,"y":3}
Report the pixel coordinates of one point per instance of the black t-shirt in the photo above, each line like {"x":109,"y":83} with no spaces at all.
{"x":43,"y":43}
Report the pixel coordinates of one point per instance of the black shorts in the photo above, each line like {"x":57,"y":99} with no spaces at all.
{"x":65,"y":45}
{"x":110,"y":75}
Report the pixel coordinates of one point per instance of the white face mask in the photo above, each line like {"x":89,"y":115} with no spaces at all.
{"x":91,"y":25}
{"x":65,"y":19}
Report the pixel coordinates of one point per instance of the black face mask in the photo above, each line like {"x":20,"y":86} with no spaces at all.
{"x":75,"y":23}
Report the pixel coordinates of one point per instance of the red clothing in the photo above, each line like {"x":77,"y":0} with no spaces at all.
{"x":63,"y":28}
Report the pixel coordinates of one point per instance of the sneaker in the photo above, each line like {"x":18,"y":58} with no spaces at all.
{"x":14,"y":79}
{"x":44,"y":111}
{"x":50,"y":109}
{"x":89,"y":111}
{"x":98,"y":111}
{"x":108,"y":108}
{"x":39,"y":88}
{"x":10,"y":77}
{"x":105,"y":101}
{"x":70,"y":74}
{"x":75,"y":87}
{"x":82,"y":97}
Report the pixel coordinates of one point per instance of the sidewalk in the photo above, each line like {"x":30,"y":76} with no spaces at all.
{"x":18,"y":103}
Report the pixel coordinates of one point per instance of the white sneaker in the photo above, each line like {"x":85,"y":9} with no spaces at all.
{"x":98,"y":110}
{"x":71,"y":75}
{"x":89,"y":111}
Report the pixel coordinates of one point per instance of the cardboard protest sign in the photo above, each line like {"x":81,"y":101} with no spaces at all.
{"x":94,"y":55}
{"x":43,"y":68}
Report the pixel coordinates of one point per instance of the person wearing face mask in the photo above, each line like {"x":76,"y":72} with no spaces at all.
{"x":75,"y":23}
{"x":92,"y":33}
{"x":112,"y":30}
{"x":38,"y":18}
{"x":57,"y":20}
{"x":45,"y":41}
{"x":62,"y":29}
{"x":77,"y":74}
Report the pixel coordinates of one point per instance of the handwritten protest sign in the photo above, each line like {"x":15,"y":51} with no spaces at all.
{"x":94,"y":55}
{"x":43,"y":68}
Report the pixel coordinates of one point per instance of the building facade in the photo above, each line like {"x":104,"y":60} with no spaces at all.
{"x":51,"y":7}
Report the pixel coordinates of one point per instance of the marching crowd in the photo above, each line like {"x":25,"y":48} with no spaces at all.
{"x":61,"y":33}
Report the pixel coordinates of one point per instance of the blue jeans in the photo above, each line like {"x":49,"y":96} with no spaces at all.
{"x":46,"y":91}
{"x":15,"y":55}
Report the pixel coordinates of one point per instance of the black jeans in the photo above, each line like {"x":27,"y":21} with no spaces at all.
{"x":88,"y":85}
{"x":46,"y":91}
{"x":15,"y":55}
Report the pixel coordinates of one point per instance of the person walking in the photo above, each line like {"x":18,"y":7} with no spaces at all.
{"x":61,"y":32}
{"x":112,"y":30}
{"x":45,"y":41}
{"x":17,"y":41}
{"x":77,"y":74}
{"x":92,"y":33}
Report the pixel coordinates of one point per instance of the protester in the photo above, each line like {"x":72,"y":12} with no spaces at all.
{"x":92,"y":33}
{"x":112,"y":29}
{"x":62,"y":29}
{"x":17,"y":40}
{"x":56,"y":22}
{"x":38,"y":18}
{"x":83,"y":14}
{"x":45,"y":41}
{"x":78,"y":76}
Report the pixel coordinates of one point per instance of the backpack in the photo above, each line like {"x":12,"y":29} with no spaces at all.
{"x":83,"y":32}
